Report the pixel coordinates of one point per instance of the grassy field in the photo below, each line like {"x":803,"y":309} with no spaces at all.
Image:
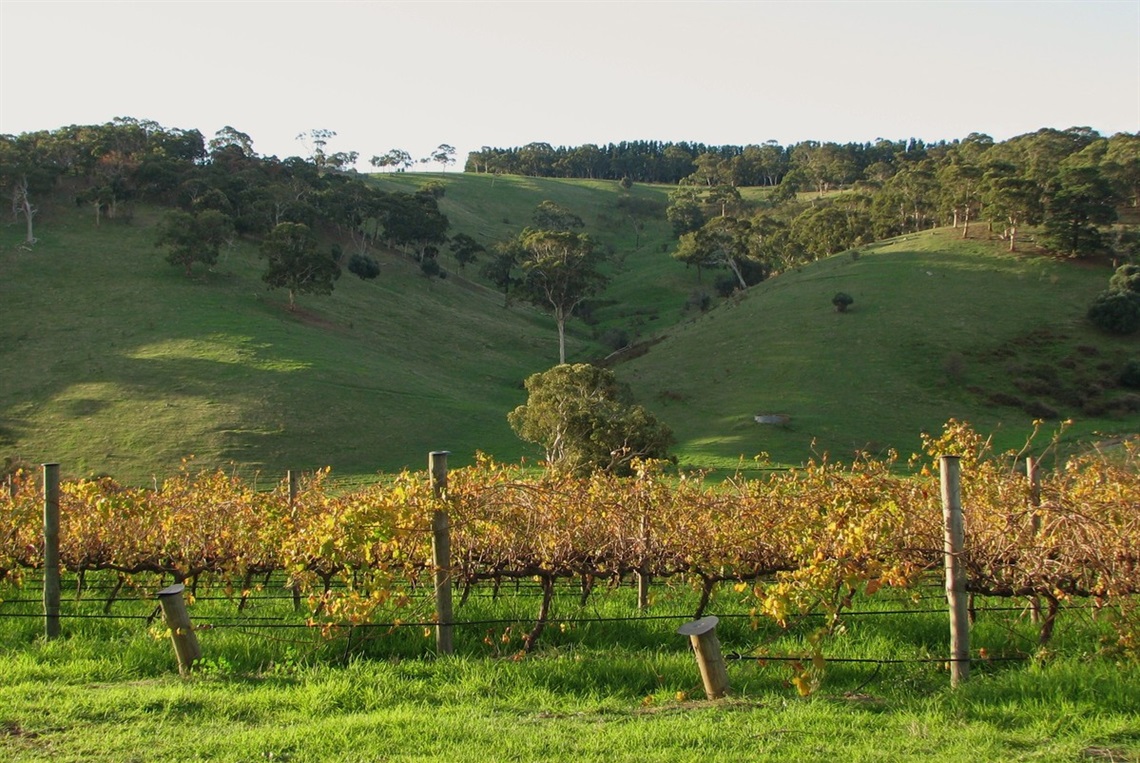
{"x":594,"y":690}
{"x":115,"y":363}
{"x":939,"y":326}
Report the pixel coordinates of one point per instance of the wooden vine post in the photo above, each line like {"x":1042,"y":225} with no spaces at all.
{"x":441,"y":554}
{"x":643,"y":576}
{"x":706,"y":648}
{"x":51,"y":550}
{"x":292,"y":480}
{"x":1033,"y":474}
{"x":955,"y":541}
{"x":177,"y":619}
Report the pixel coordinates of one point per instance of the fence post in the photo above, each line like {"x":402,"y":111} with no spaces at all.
{"x":441,"y":554}
{"x":706,"y":648}
{"x":1033,"y":474}
{"x":177,"y":619}
{"x":643,"y":576}
{"x":291,"y":478}
{"x":51,"y":550}
{"x":955,"y":541}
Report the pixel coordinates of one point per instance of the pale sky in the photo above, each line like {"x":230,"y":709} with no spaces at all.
{"x":408,"y":75}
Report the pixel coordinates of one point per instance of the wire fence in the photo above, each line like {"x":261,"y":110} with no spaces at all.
{"x":141,"y":608}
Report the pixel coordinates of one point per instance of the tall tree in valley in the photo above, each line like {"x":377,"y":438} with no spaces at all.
{"x":823,"y":231}
{"x":560,"y":271}
{"x":721,"y":242}
{"x":685,"y":212}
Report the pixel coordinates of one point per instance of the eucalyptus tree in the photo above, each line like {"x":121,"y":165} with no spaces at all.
{"x":296,"y":264}
{"x":466,"y":249}
{"x":1121,"y":165}
{"x":443,"y":155}
{"x":560,"y":271}
{"x":1010,"y":199}
{"x":1079,"y":200}
{"x":721,"y":242}
{"x":397,"y":158}
{"x":191,"y":238}
{"x":550,"y":215}
{"x":586,"y":420}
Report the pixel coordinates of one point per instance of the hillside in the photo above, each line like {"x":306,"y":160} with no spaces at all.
{"x":114,"y":362}
{"x":940,"y":328}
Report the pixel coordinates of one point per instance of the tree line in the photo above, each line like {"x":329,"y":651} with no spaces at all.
{"x":222,"y":188}
{"x":1066,"y":185}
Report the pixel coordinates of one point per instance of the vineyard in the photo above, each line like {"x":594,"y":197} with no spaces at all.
{"x":801,"y":542}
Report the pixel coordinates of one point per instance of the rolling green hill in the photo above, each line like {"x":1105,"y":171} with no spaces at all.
{"x":114,"y":362}
{"x":111,"y":361}
{"x":940,"y":328}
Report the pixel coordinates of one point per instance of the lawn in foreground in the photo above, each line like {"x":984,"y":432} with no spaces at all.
{"x":594,"y":690}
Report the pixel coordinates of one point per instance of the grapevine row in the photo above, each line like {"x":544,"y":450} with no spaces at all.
{"x":799,"y":540}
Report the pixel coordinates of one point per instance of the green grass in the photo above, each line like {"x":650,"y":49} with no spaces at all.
{"x":938,"y":326}
{"x":593,"y":691}
{"x":115,"y":363}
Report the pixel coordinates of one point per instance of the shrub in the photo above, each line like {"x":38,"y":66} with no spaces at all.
{"x":699,"y":300}
{"x":1040,"y":410}
{"x":1117,"y":312}
{"x":1126,"y":278}
{"x":726,"y":284}
{"x":363,"y":266}
{"x":842,"y":301}
{"x":614,"y":338}
{"x":954,"y":365}
{"x":1130,"y":375}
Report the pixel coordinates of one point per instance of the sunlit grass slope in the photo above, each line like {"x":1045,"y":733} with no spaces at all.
{"x":111,"y":361}
{"x":114,"y":362}
{"x":939,"y":326}
{"x":647,"y":286}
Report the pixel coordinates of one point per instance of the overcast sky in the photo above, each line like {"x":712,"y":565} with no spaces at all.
{"x":389,"y":75}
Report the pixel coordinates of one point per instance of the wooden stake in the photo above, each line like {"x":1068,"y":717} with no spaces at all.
{"x":1033,"y":473}
{"x":706,"y":648}
{"x":51,"y":550}
{"x":955,"y":541}
{"x":643,"y":576}
{"x":182,"y":634}
{"x":441,"y":554}
{"x":291,"y":477}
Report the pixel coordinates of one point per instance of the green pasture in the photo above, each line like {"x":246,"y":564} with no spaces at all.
{"x":606,"y":683}
{"x":939,"y":326}
{"x":113,"y":362}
